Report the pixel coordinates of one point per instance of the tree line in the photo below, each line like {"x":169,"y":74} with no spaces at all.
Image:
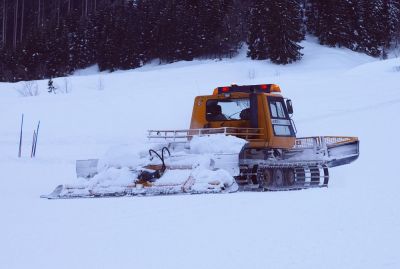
{"x":50,"y":38}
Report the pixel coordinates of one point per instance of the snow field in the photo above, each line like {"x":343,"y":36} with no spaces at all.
{"x":355,"y":223}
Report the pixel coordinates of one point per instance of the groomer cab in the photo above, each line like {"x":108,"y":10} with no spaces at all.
{"x":257,"y":113}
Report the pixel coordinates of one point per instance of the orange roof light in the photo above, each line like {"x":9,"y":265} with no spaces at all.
{"x":260,"y":88}
{"x":275,"y":88}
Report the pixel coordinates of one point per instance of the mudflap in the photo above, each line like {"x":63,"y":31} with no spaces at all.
{"x":343,"y":154}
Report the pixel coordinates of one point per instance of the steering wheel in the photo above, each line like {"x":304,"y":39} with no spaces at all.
{"x":230,"y":116}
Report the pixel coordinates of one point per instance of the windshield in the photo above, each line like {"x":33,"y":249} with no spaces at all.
{"x":280,"y":120}
{"x":225,"y":110}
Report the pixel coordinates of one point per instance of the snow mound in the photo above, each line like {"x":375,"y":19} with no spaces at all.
{"x":203,"y":177}
{"x":121,"y":164}
{"x":113,"y":176}
{"x":217,"y":177}
{"x":218,"y":143}
{"x":130,"y":156}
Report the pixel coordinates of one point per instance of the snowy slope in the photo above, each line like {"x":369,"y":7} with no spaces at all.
{"x":355,"y":223}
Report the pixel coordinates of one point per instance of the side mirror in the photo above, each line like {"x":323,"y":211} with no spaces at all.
{"x":289,"y":106}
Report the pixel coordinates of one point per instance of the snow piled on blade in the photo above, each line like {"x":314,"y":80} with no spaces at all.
{"x":112,"y":176}
{"x":219,"y":177}
{"x":218,"y":143}
{"x":121,"y":165}
{"x":129,"y":156}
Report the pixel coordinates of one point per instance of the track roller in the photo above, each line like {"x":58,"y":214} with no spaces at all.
{"x":290,"y":177}
{"x":264,"y":177}
{"x":278,"y":178}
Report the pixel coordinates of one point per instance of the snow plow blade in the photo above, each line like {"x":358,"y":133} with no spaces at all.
{"x":343,"y":153}
{"x":329,"y":150}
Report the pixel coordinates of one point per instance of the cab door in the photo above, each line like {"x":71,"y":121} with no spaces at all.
{"x":281,"y":131}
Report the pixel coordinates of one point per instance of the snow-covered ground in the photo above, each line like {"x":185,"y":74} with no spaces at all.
{"x":355,"y":223}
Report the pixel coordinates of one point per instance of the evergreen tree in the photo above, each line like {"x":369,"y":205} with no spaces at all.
{"x":63,"y":36}
{"x":166,"y":35}
{"x":345,"y":27}
{"x":257,"y":40}
{"x":376,"y":27}
{"x":335,"y":23}
{"x":186,"y":21}
{"x":58,"y":51}
{"x":106,"y":52}
{"x":223,"y":24}
{"x":127,"y":37}
{"x":148,"y":13}
{"x":312,"y":16}
{"x":394,"y":21}
{"x":328,"y":31}
{"x":276,"y":31}
{"x":234,"y":27}
{"x":33,"y":56}
{"x":8,"y":65}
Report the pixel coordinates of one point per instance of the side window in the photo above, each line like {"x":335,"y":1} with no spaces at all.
{"x":279,"y":118}
{"x":225,"y":110}
{"x":277,"y":110}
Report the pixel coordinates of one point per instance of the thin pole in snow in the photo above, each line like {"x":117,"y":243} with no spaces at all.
{"x":33,"y":144}
{"x":20,"y":138}
{"x":36,"y":138}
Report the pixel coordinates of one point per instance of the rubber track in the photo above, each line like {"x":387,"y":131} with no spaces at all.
{"x":306,"y":177}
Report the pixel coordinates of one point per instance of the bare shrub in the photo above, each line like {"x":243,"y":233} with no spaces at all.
{"x":64,"y":87}
{"x":67,"y":85}
{"x":251,"y":73}
{"x":100,"y":84}
{"x":28,"y":88}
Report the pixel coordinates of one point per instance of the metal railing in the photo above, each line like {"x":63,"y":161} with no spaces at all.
{"x":322,"y":141}
{"x":250,"y":134}
{"x":185,"y":135}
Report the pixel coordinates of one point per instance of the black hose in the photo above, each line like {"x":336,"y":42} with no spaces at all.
{"x":161,"y":157}
{"x":162,"y":152}
{"x":158,"y":155}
